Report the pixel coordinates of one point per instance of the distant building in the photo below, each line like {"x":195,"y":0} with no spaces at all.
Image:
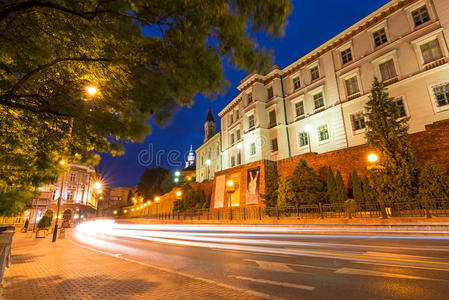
{"x":114,"y":198}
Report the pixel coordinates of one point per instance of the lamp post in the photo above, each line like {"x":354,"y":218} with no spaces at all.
{"x":156,"y":200}
{"x":230,"y":189}
{"x":373,"y":158}
{"x":61,"y":188}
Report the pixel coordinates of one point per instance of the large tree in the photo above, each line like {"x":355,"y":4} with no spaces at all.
{"x":145,"y":58}
{"x":151,"y":182}
{"x":307,"y":186}
{"x":396,"y":179}
{"x":270,"y":197}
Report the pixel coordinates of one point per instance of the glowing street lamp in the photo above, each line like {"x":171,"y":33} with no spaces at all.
{"x":373,"y":157}
{"x":177,"y":173}
{"x":230,"y":190}
{"x":114,"y":212}
{"x":97,"y":185}
{"x":178,"y":195}
{"x":125,"y":211}
{"x":91,"y":90}
{"x":176,"y":180}
{"x":62,"y":162}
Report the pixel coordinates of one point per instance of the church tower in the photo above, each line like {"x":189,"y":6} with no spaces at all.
{"x":209,"y":126}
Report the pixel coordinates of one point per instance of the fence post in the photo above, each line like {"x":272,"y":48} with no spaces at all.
{"x":208,"y":212}
{"x":297,"y":211}
{"x":426,"y":205}
{"x":260,"y":213}
{"x":277,"y":212}
{"x":244,"y":213}
{"x":321,"y":210}
{"x":230,"y":213}
{"x":218,"y":214}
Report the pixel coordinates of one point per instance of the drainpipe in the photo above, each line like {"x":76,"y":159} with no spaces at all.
{"x":285,"y":116}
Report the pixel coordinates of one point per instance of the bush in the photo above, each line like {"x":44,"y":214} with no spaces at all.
{"x":307,"y":186}
{"x":44,"y":222}
{"x":270,"y":198}
{"x":433,"y":185}
{"x":286,"y":194}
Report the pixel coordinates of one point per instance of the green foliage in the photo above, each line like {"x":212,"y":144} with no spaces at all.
{"x":44,"y":222}
{"x":369,"y":194}
{"x":192,"y":199}
{"x":14,"y":200}
{"x":357,"y":190}
{"x":150,"y":183}
{"x":270,"y":198}
{"x":331,"y":186}
{"x":308,"y":187}
{"x":433,"y":185}
{"x":167,"y":183}
{"x":147,"y":58}
{"x":286,"y":195}
{"x":340,"y":189}
{"x":397,"y":177}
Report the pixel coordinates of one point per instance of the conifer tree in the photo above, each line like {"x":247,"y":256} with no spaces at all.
{"x":270,"y":197}
{"x":357,"y":190}
{"x":396,"y":179}
{"x":369,"y":194}
{"x":340,"y":189}
{"x":331,"y":187}
{"x":286,"y":195}
{"x":433,"y":185}
{"x":308,"y":187}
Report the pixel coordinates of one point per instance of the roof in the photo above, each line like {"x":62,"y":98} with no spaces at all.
{"x":210,"y":118}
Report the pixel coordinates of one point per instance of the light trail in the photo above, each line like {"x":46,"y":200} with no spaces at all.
{"x":98,"y":232}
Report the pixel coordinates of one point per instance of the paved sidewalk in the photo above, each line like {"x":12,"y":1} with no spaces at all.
{"x":41,"y":269}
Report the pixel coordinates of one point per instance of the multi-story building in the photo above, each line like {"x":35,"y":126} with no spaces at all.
{"x":316,"y":104}
{"x":114,"y":198}
{"x":79,"y":198}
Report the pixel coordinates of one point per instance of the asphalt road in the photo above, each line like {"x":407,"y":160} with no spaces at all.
{"x":284,"y":262}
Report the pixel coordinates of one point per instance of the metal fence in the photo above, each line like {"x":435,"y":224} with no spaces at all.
{"x":349,"y":209}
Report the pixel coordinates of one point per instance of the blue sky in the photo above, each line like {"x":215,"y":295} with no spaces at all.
{"x":310,"y":24}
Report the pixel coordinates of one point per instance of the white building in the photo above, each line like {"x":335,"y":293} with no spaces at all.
{"x":316,"y":104}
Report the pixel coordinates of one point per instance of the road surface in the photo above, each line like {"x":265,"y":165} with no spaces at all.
{"x":288,"y":262}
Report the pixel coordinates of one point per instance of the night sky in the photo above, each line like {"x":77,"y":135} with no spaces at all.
{"x":311,"y":24}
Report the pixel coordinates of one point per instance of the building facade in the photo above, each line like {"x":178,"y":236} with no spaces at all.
{"x":316,"y":104}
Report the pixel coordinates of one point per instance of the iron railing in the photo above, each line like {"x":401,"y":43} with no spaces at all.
{"x":349,"y":209}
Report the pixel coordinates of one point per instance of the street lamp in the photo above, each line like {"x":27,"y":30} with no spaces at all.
{"x":156,"y":200}
{"x":61,"y":188}
{"x":373,"y":157}
{"x":230,"y":189}
{"x":91,"y":90}
{"x":177,"y":173}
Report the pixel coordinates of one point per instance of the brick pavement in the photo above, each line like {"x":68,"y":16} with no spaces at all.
{"x":41,"y":269}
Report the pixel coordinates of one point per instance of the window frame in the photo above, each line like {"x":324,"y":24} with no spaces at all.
{"x":417,"y":43}
{"x":328,"y":134}
{"x":249,"y":96}
{"x":404,"y":103}
{"x":307,"y":136}
{"x":251,"y":149}
{"x":434,"y":100}
{"x":356,"y":131}
{"x":251,"y":116}
{"x":351,"y":53}
{"x":270,"y":88}
{"x":392,"y":55}
{"x":413,"y":7}
{"x":353,"y":73}
{"x":293,"y":82}
{"x":272,"y":145}
{"x":270,"y":114}
{"x":376,"y":28}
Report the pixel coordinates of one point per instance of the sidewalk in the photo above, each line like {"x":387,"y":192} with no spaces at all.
{"x":41,"y":269}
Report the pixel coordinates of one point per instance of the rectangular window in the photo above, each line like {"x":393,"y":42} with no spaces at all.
{"x":441,"y":93}
{"x":69,"y":195}
{"x":299,"y":108}
{"x":232,"y":139}
{"x":431,"y":51}
{"x":238,"y":134}
{"x":420,"y":15}
{"x":250,"y":98}
{"x":252,"y":149}
{"x":358,"y":121}
{"x":296,"y":83}
{"x":387,"y":70}
{"x":272,"y":115}
{"x":72,"y":177}
{"x":380,"y":37}
{"x":352,"y":86}
{"x":346,"y":56}
{"x":315,"y":73}
{"x":318,"y":100}
{"x":303,"y":139}
{"x":270,"y":92}
{"x":231,"y":119}
{"x":239,"y":158}
{"x":401,"y":107}
{"x":323,"y":133}
{"x":274,"y":145}
{"x":232,"y":161}
{"x":251,"y":121}
{"x":237,"y":115}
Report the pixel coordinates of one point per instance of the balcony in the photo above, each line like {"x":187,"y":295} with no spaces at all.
{"x":435,"y":64}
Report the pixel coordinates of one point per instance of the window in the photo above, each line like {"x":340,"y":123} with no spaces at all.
{"x":238,"y":134}
{"x":251,"y":121}
{"x":250,"y":98}
{"x":303,"y":139}
{"x":272,"y":115}
{"x":323,"y":133}
{"x":270,"y":92}
{"x":352,"y":86}
{"x":431,"y":51}
{"x":346,"y":56}
{"x":232,"y":161}
{"x":441,"y":93}
{"x":296,"y":83}
{"x":232,"y":139}
{"x":358,"y":121}
{"x":315,"y":73}
{"x":274,"y":145}
{"x":69,"y":195}
{"x":72,"y":177}
{"x":420,"y":15}
{"x":237,"y":115}
{"x":299,"y":108}
{"x":401,"y":107}
{"x":231,"y":119}
{"x":380,"y":37}
{"x":387,"y":70}
{"x":318,"y":100}
{"x":239,"y":158}
{"x":252,"y":149}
